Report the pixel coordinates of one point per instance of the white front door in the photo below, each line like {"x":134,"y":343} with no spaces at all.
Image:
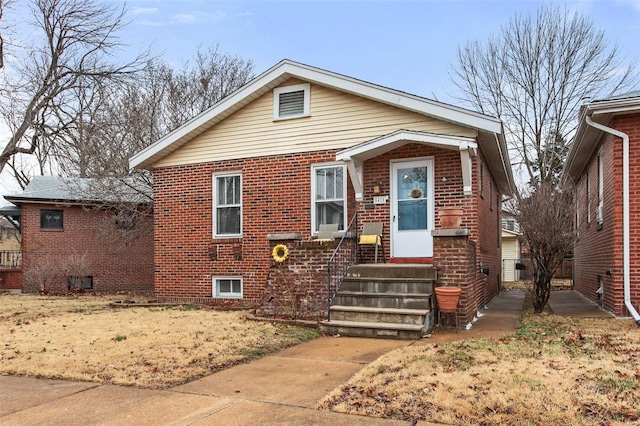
{"x":412,"y":199}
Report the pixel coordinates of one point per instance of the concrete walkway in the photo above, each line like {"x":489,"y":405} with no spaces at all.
{"x":281,"y":389}
{"x":570,"y":303}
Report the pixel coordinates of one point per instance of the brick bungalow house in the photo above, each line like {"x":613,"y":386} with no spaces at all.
{"x":298,"y":147}
{"x":69,"y":243}
{"x":604,"y":163}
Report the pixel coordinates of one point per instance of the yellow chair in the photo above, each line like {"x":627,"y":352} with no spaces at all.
{"x":326,"y":232}
{"x":372,"y":236}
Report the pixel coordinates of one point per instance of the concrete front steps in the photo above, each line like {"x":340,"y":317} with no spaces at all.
{"x":383,"y":300}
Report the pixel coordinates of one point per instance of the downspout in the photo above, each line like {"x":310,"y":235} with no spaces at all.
{"x":625,"y":213}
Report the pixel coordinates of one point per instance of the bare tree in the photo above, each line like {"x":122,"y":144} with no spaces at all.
{"x":73,"y":46}
{"x":199,"y":84}
{"x":545,"y":214}
{"x":106,"y":125}
{"x":534,"y":76}
{"x":4,"y":5}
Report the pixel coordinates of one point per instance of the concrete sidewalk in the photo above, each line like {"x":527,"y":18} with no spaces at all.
{"x":280,"y":389}
{"x":570,"y":303}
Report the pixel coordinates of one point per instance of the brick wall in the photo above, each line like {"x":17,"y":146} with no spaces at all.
{"x":276,"y":198}
{"x":297,"y":287}
{"x":448,"y":184}
{"x":487,"y":234}
{"x":113,"y":266}
{"x":630,"y":124}
{"x":598,"y":250}
{"x":459,"y":259}
{"x":11,"y":279}
{"x":455,"y":259}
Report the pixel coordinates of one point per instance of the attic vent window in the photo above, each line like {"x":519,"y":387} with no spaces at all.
{"x":291,"y":101}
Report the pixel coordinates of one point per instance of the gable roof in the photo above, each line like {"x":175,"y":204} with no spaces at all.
{"x":385,"y":143}
{"x":288,"y":69}
{"x":588,"y":137}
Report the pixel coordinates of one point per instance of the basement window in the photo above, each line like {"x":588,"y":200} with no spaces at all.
{"x":291,"y":101}
{"x":228,"y":287}
{"x":80,"y":282}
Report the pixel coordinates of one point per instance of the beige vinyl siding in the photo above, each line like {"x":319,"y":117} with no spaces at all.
{"x":510,"y":251}
{"x":338,"y":120}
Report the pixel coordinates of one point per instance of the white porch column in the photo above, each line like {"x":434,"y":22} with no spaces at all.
{"x":466,"y":153}
{"x":354,"y":167}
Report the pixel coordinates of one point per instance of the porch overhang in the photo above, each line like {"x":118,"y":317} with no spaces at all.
{"x":355,"y":156}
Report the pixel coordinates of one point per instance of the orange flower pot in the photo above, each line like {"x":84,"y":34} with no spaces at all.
{"x":448,"y":298}
{"x":450,"y":218}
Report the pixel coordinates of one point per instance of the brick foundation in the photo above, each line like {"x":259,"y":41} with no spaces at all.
{"x":11,"y":279}
{"x":456,"y":260}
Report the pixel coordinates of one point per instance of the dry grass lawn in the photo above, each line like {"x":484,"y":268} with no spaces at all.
{"x":82,"y":338}
{"x":552,"y":371}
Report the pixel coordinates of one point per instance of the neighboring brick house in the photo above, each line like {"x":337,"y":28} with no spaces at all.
{"x":298,"y":147}
{"x":68,"y":241}
{"x":604,"y":164}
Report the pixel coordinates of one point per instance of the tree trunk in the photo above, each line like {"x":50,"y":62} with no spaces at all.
{"x":541,"y":291}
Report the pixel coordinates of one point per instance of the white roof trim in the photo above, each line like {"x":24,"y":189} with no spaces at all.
{"x":355,"y":155}
{"x":613,"y":106}
{"x":586,"y":138}
{"x":287,"y":69}
{"x":375,"y":147}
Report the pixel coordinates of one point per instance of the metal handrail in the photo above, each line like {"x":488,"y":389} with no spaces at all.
{"x":344,"y":255}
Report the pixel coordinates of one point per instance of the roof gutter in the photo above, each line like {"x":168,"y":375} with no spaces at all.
{"x":625,"y":213}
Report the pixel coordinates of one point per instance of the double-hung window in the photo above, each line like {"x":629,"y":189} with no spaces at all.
{"x":227,"y":210}
{"x":328,"y":196}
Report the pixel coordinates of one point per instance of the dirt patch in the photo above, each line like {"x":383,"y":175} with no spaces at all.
{"x":553,"y":370}
{"x":83,"y":338}
{"x":527,"y":285}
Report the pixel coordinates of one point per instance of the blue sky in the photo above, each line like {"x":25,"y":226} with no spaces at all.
{"x":406,"y":45}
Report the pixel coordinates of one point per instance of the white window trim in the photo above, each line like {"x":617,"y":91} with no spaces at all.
{"x":577,"y":224}
{"x":214,"y":204}
{"x":217,"y":294}
{"x":600,"y":188}
{"x":314,"y":167}
{"x":588,"y":197}
{"x":306,"y":87}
